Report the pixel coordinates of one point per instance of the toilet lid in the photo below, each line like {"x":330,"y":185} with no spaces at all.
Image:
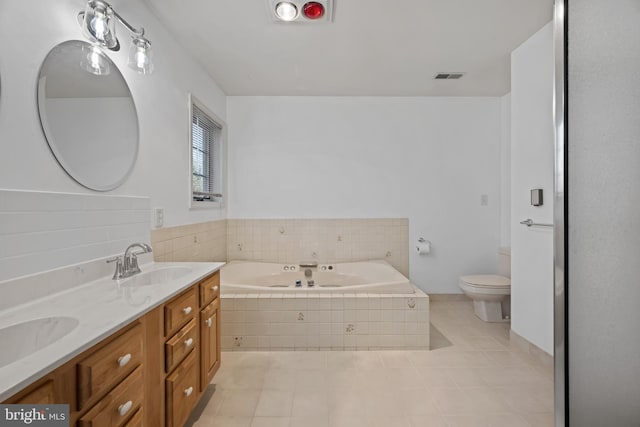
{"x":487,"y":280}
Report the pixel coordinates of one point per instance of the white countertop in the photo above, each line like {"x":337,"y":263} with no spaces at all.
{"x":102,"y":307}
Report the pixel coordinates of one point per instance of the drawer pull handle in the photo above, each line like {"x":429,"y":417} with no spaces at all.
{"x":124,"y":408}
{"x":188,"y":391}
{"x":208,"y":322}
{"x":189,"y":342}
{"x":123,"y":360}
{"x":186,"y":310}
{"x":214,"y":288}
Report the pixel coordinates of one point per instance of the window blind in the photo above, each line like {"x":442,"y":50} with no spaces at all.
{"x":205,"y":141}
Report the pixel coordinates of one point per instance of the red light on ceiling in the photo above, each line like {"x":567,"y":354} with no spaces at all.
{"x":313,"y":10}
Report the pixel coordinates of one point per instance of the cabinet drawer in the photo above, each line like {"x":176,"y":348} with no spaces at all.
{"x":180,"y":345}
{"x":182,"y":394}
{"x":179,"y":311}
{"x":118,"y":405}
{"x":209,"y":289}
{"x":136,"y":420}
{"x":109,"y":365}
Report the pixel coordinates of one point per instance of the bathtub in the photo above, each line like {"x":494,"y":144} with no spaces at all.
{"x":365,"y":277}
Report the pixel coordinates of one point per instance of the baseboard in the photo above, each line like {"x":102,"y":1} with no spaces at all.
{"x":527,"y":347}
{"x":448,"y":297}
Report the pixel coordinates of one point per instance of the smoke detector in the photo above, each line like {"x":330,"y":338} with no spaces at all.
{"x":300,"y":11}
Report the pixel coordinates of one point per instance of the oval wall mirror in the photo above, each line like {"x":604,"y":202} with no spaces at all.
{"x":88,"y":115}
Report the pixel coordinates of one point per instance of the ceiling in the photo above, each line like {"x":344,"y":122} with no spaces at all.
{"x":372,"y":47}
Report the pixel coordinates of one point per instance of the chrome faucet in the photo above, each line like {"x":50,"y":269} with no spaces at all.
{"x":127,"y":265}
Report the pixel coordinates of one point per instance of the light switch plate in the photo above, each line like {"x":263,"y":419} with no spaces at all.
{"x":158,"y":217}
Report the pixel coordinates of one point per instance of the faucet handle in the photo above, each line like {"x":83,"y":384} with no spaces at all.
{"x":131,"y":263}
{"x":119,"y":266}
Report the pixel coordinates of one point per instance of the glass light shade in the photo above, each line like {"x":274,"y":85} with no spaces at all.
{"x":140,"y":55}
{"x":98,"y":24}
{"x":313,"y":10}
{"x":286,"y":11}
{"x":94,"y":61}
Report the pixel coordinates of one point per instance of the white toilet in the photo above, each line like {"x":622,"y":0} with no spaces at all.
{"x":490,"y":292}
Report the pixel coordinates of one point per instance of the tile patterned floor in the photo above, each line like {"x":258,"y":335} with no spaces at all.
{"x":471,"y":377}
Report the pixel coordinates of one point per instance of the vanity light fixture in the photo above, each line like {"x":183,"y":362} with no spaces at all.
{"x":98,"y":25}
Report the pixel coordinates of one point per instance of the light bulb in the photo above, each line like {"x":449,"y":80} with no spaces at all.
{"x":99,"y":25}
{"x":286,"y":11}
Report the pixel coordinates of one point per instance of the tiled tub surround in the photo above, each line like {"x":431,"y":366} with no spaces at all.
{"x":323,"y":321}
{"x":205,"y":241}
{"x":321,"y":240}
{"x":41,"y":231}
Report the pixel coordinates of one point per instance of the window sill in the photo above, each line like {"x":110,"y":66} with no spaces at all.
{"x":195,"y":205}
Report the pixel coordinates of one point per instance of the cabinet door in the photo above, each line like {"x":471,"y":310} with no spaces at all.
{"x":181,"y":391}
{"x":210,"y":346}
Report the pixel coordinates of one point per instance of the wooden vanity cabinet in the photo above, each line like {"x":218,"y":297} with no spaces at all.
{"x":150,"y":373}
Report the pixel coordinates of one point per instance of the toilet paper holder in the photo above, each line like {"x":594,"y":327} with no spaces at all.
{"x":423,"y":247}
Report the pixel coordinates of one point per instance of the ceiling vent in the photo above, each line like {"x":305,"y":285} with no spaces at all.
{"x":301,"y":11}
{"x":448,"y":76}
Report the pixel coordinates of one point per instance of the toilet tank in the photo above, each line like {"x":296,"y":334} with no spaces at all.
{"x":504,"y":262}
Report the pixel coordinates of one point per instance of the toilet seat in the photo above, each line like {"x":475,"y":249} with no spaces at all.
{"x":487,"y":281}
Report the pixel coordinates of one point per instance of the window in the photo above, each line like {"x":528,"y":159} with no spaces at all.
{"x":206,"y":156}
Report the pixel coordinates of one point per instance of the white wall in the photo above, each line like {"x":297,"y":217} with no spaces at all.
{"x":161,"y":171}
{"x":532,"y":167}
{"x":505,"y":171}
{"x":426,"y":159}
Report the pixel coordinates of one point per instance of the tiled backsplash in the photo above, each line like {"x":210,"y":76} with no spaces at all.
{"x":322,"y":240}
{"x":205,"y":241}
{"x":41,"y":231}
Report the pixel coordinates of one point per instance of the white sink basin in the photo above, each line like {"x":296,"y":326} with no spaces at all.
{"x":156,"y":277}
{"x":23,"y":339}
